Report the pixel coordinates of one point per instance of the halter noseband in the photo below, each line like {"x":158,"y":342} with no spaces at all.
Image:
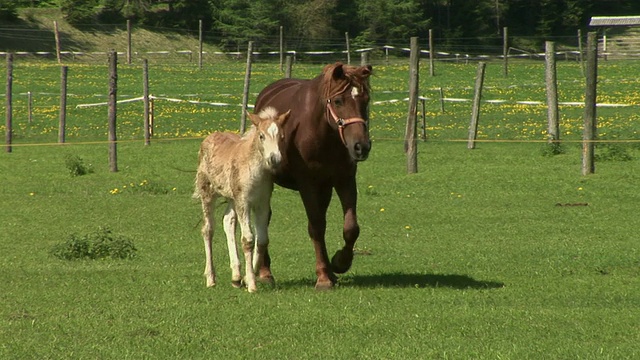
{"x":342,"y":123}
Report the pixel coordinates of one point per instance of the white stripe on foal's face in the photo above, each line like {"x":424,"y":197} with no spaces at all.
{"x":273,"y":130}
{"x":354,"y":92}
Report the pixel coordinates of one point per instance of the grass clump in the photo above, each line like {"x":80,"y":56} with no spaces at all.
{"x":101,"y":244}
{"x":76,"y":166}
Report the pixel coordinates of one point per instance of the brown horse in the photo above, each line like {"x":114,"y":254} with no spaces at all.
{"x":326,"y":135}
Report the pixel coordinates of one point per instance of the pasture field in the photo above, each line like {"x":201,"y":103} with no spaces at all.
{"x":497,"y":252}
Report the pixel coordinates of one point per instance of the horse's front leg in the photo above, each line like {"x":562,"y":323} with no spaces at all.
{"x":261,"y":261}
{"x":229,"y":222}
{"x":316,"y":202}
{"x":347,"y":192}
{"x":243,"y":215}
{"x":207,"y":234}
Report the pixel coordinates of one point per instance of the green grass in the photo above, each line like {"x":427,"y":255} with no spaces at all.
{"x":476,"y":256}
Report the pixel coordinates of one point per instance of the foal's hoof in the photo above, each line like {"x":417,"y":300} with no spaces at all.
{"x":237,"y":284}
{"x":341,"y":261}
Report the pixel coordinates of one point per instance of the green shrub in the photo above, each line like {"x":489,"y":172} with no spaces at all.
{"x":101,"y":244}
{"x":76,"y":166}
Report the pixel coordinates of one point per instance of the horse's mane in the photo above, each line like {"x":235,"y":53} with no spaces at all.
{"x":352,"y":76}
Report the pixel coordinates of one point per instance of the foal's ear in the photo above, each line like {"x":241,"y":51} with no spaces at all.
{"x":255,"y":119}
{"x":283,"y":117}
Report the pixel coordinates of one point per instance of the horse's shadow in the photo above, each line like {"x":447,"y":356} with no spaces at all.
{"x":403,"y":280}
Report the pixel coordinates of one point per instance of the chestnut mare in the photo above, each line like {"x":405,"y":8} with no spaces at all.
{"x":326,"y":135}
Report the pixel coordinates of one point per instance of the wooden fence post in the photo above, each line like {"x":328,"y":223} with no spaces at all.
{"x":431,"y":54}
{"x":580,"y":50}
{"x":288,"y":65}
{"x":245,"y":93}
{"x":30,"y":106}
{"x":63,"y":105}
{"x":505,"y":51}
{"x":364,"y":58}
{"x":199,"y":44}
{"x":475,"y":112}
{"x":281,"y":48}
{"x":9,"y":108}
{"x":553,"y":129}
{"x":589,"y":131}
{"x":411,"y":144}
{"x":145,"y":100}
{"x":112,"y":101}
{"x":56,"y":35}
{"x":128,"y":41}
{"x":346,"y":36}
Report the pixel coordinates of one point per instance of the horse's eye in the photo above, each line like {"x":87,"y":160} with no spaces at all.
{"x":338,"y":101}
{"x":261,"y":137}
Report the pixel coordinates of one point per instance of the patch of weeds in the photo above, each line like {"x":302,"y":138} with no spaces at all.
{"x":101,"y":244}
{"x":552,"y":149}
{"x":144,"y":187}
{"x":612,"y":152}
{"x":76,"y":166}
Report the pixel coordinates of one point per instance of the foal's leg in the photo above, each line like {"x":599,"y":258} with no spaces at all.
{"x":229,"y":222}
{"x":208,"y":202}
{"x":341,"y":261}
{"x":248,"y":244}
{"x":262,"y":214}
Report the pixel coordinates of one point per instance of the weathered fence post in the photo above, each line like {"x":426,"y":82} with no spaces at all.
{"x":245,"y":93}
{"x":112,"y":101}
{"x":288,"y":65}
{"x":424,"y":119}
{"x":56,"y":35}
{"x":199,"y":44}
{"x":364,"y":58}
{"x":411,"y":144}
{"x":589,"y":132}
{"x":128,"y":42}
{"x":30,"y":106}
{"x":281,"y":48}
{"x":553,"y":128}
{"x":63,"y":105}
{"x":431,"y":54}
{"x":145,"y":100}
{"x":580,"y":52}
{"x":475,"y":112}
{"x":505,"y":51}
{"x":346,"y":36}
{"x":9,"y":108}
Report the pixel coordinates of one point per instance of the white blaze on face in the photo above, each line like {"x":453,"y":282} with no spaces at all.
{"x":354,"y":92}
{"x":271,"y":148}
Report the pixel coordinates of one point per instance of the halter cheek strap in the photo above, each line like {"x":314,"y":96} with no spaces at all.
{"x":342,"y":123}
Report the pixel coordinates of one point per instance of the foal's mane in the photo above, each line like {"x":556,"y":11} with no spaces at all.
{"x":352,"y":76}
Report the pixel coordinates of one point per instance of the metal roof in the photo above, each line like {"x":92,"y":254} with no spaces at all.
{"x":614,"y":21}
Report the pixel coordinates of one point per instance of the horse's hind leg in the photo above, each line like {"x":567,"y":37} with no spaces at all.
{"x":248,"y":244}
{"x":260,"y":261}
{"x":229,"y":222}
{"x":207,"y":234}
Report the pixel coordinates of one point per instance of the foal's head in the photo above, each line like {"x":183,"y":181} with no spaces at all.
{"x":268,"y":127}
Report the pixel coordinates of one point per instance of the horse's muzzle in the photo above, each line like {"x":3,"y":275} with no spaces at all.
{"x":361,"y":151}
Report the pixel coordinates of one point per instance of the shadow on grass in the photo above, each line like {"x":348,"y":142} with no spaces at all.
{"x":402,"y":280}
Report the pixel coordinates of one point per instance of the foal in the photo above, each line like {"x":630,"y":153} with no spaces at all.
{"x":240,"y":169}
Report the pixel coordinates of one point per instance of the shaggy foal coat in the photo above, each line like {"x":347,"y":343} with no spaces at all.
{"x":240,"y":169}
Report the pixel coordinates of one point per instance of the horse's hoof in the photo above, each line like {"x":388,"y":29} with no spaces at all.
{"x":341,"y":261}
{"x":236,"y":283}
{"x":324,"y":285}
{"x":252,"y":289}
{"x":269,"y":280}
{"x":211,"y":282}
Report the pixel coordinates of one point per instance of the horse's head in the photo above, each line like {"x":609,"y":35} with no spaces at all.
{"x":346,"y":93}
{"x":269,"y":132}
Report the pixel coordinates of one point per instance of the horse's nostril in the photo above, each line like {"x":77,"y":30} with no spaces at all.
{"x":358,"y":148}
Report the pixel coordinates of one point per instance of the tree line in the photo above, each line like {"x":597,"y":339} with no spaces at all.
{"x":368,"y":22}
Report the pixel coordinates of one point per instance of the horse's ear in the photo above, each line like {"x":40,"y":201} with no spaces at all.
{"x":255,"y":119}
{"x":336,"y":70}
{"x":283,"y":117}
{"x":367,"y":70}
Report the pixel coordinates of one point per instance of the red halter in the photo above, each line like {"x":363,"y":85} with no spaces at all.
{"x":342,"y":123}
